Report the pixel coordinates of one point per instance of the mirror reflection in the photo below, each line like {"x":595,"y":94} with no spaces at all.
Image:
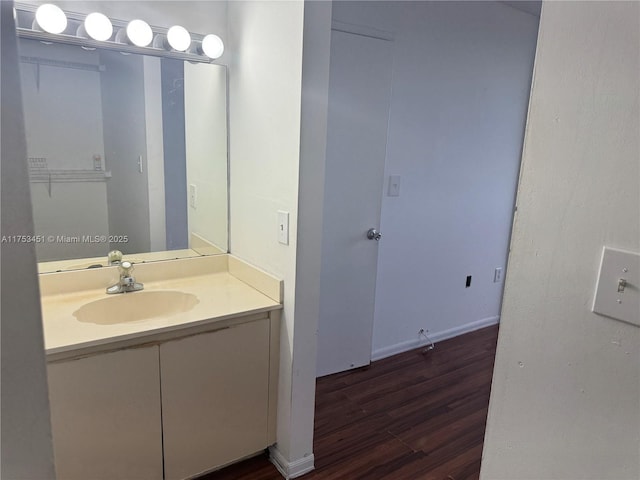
{"x":126,"y":152}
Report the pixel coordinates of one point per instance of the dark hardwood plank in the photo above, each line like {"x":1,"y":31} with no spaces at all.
{"x":359,"y":464}
{"x":413,"y":416}
{"x":256,"y":468}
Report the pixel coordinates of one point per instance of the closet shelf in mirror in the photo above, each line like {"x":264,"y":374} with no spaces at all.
{"x":66,"y":176}
{"x":48,"y":62}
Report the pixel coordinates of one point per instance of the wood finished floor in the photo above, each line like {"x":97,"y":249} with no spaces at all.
{"x":411,"y":416}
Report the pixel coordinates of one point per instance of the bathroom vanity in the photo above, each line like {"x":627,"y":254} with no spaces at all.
{"x":170,"y":382}
{"x":179,"y":378}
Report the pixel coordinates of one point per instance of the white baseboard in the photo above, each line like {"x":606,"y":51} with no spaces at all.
{"x":436,"y":337}
{"x":288,"y":469}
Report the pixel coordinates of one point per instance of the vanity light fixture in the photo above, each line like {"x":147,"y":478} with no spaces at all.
{"x":50,"y":18}
{"x":212,"y":46}
{"x":139,"y":33}
{"x":49,"y":23}
{"x":96,"y":26}
{"x":179,"y":38}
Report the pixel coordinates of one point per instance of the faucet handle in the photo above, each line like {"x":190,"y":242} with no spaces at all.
{"x":126,"y":268}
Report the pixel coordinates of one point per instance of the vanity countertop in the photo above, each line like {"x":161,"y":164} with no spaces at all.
{"x":216,"y":282}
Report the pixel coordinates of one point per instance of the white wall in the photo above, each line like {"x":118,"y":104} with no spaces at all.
{"x":266,"y":84}
{"x":27,"y":451}
{"x":565,"y":401}
{"x":313,"y":134}
{"x":62,"y":214}
{"x":461,"y":83}
{"x":265,"y":46}
{"x":205,"y":123}
{"x":155,"y":152}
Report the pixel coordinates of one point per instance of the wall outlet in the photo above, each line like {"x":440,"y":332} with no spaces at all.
{"x":283,"y":227}
{"x":193,"y":196}
{"x":422,"y":333}
{"x":497,"y":275}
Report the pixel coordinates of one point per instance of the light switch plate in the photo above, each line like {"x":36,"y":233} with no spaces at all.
{"x":618,"y":288}
{"x":497,"y":275}
{"x":193,"y":196}
{"x":394,"y":186}
{"x":283,"y":227}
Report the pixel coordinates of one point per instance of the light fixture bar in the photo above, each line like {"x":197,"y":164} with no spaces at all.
{"x":120,"y":47}
{"x":78,"y":18}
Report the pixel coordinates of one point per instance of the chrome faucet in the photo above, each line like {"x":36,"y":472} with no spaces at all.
{"x":114,"y":257}
{"x":127,"y":282}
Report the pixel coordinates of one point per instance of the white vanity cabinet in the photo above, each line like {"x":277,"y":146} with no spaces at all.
{"x":106,"y":417}
{"x":174,"y":407}
{"x":162,"y":395}
{"x":215,"y":398}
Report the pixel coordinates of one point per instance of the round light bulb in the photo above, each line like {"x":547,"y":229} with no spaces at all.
{"x":212,"y":46}
{"x":98,"y":26}
{"x":139,"y":33}
{"x":51,"y":18}
{"x":179,"y":38}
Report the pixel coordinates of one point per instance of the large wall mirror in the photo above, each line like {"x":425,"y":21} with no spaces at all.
{"x":126,"y":152}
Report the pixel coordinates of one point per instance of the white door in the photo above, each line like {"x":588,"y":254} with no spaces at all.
{"x":359,"y":93}
{"x":125,"y":143}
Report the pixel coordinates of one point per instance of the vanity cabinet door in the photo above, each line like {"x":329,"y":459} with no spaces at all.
{"x":105,"y":415}
{"x":215,"y":395}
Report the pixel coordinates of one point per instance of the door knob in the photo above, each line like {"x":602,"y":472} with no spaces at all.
{"x":373,"y":234}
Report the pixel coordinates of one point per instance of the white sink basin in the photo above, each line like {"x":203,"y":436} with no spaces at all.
{"x":135,"y":306}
